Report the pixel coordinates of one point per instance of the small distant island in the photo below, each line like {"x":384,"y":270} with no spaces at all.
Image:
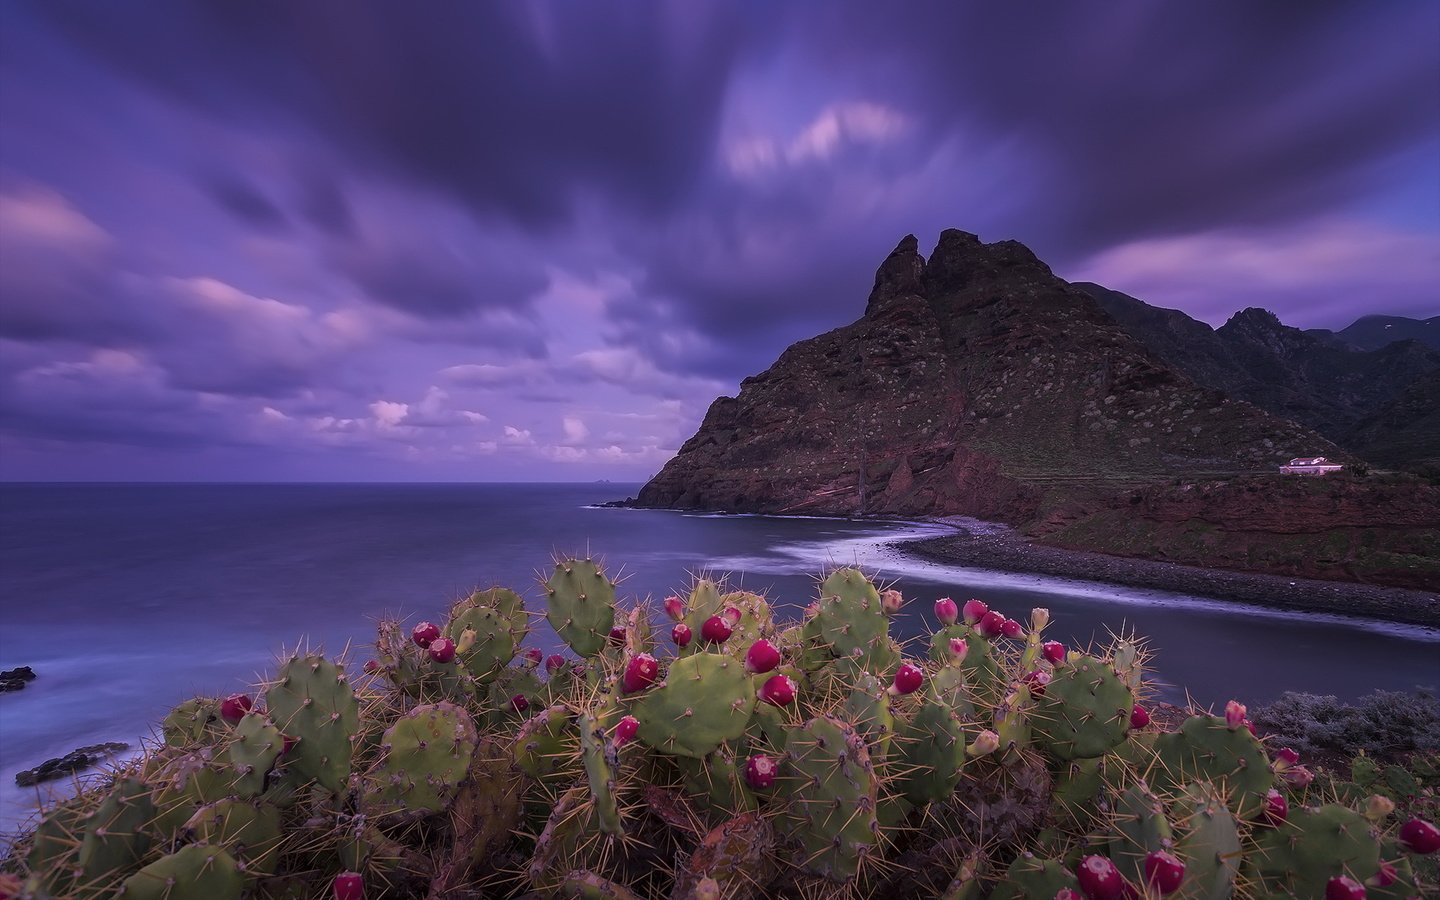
{"x":979,"y":384}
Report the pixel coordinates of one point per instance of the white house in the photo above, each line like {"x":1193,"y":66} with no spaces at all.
{"x":1310,"y":465}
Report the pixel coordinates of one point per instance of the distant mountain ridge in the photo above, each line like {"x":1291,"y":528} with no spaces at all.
{"x":1374,"y":332}
{"x":1319,"y":378}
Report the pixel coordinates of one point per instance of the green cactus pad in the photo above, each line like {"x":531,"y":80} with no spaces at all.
{"x":1030,"y":876}
{"x":425,"y":756}
{"x":1311,"y":847}
{"x":197,"y":872}
{"x":496,"y":638}
{"x":116,"y":834}
{"x":1140,"y":827}
{"x":193,"y":722}
{"x":834,"y":798}
{"x":717,"y":781}
{"x":249,"y":832}
{"x":705,"y":700}
{"x":601,"y":762}
{"x":1206,"y":749}
{"x":868,"y":711}
{"x":1209,"y":845}
{"x":257,"y":745}
{"x":1085,"y":711}
{"x":545,"y":742}
{"x":55,"y":844}
{"x":981,"y":670}
{"x":850,"y":618}
{"x":580,"y":605}
{"x":312,"y":702}
{"x":932,"y":752}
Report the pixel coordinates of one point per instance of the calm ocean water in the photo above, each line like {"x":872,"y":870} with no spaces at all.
{"x":127,"y":599}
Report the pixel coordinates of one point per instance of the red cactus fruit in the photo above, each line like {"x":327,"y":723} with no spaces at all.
{"x":1286,"y":756}
{"x":716,"y":630}
{"x":286,"y":742}
{"x":732,"y":616}
{"x":958,"y":648}
{"x":1012,"y":629}
{"x":625,"y":730}
{"x":1276,"y":809}
{"x":554,"y":663}
{"x":1099,"y":878}
{"x":681,"y":634}
{"x":519,"y":703}
{"x":760,"y":772}
{"x":1139,"y":717}
{"x":442,"y":650}
{"x":1420,"y":836}
{"x":372,"y":666}
{"x":534,"y":656}
{"x":762,"y":657}
{"x":674,"y":607}
{"x":908,"y":679}
{"x":946,"y":610}
{"x":974,"y":611}
{"x":1037,"y":679}
{"x":1163,"y":871}
{"x":891,"y":602}
{"x":779,"y":690}
{"x":992,"y":624}
{"x":1343,"y":887}
{"x":1054,"y":652}
{"x":348,"y":886}
{"x":640,"y":673}
{"x":424,"y":633}
{"x":1383,"y":878}
{"x":1298,"y":776}
{"x":617,"y":636}
{"x":234,"y":707}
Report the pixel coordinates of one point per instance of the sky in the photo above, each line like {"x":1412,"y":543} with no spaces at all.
{"x":455,"y":241}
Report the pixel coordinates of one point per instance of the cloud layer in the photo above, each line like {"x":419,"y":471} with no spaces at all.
{"x":504,"y":240}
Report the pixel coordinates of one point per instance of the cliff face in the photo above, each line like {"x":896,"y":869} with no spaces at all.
{"x":975,"y":383}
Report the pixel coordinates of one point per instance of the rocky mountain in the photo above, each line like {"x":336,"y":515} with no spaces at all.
{"x":1374,"y":332}
{"x":975,"y":383}
{"x":1317,"y":378}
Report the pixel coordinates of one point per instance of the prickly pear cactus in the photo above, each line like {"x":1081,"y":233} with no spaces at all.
{"x":1209,"y":844}
{"x":193,"y":722}
{"x":1030,"y":876}
{"x":249,"y":832}
{"x":601,"y":761}
{"x":312,"y":702}
{"x":196,"y":872}
{"x":116,"y":834}
{"x":581,"y":605}
{"x":425,"y":756}
{"x":1206,"y":749}
{"x":850,"y":618}
{"x":705,"y":700}
{"x":257,"y":745}
{"x":545,"y":742}
{"x":1141,"y":827}
{"x":493,"y":636}
{"x":1310,"y":848}
{"x":835,"y":795}
{"x":1085,"y":711}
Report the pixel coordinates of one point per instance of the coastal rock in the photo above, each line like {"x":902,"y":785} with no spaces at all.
{"x":74,"y":761}
{"x":976,"y":383}
{"x":15,"y":679}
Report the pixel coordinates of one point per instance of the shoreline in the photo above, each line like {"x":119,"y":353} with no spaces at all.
{"x":987,"y":545}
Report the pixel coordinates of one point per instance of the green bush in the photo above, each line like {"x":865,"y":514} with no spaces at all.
{"x":1383,"y":724}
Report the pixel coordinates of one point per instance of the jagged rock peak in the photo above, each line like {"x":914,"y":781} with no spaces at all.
{"x":1255,"y":317}
{"x":902,"y":274}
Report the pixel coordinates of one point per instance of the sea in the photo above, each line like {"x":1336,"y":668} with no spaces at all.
{"x":129,"y":598}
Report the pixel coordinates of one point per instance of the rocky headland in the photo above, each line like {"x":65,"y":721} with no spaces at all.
{"x":977,"y":383}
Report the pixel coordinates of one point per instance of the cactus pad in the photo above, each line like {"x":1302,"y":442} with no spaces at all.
{"x":705,"y":700}
{"x":313,"y":703}
{"x":581,"y":605}
{"x":425,"y":756}
{"x":835,"y":796}
{"x":1085,"y":711}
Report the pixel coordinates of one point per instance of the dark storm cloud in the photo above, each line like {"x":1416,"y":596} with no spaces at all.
{"x":244,"y":201}
{"x":432,"y":281}
{"x":511,"y":108}
{"x":324,"y":205}
{"x":1146,"y":118}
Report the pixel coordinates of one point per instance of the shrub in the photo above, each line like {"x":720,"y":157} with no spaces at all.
{"x":1383,"y":723}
